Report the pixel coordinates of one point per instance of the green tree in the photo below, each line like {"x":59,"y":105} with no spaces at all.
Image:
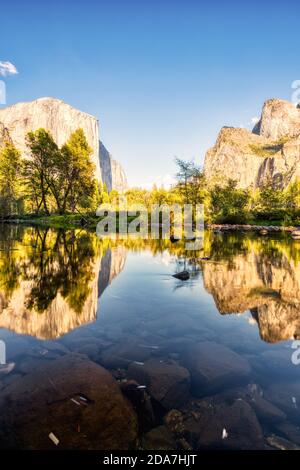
{"x":9,"y":180}
{"x":270,"y":201}
{"x":40,"y":171}
{"x":77,"y":172}
{"x":229,"y":203}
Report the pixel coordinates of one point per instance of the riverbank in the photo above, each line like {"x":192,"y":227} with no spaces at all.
{"x":67,"y":221}
{"x":73,"y":221}
{"x":249,"y":228}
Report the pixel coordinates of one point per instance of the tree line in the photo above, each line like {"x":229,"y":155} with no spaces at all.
{"x":53,"y":180}
{"x":224,"y":201}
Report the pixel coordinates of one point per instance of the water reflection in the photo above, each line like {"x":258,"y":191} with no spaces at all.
{"x":260,"y":275}
{"x":186,"y":355}
{"x":50,"y":281}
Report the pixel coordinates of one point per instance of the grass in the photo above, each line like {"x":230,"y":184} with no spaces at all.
{"x":66,"y":221}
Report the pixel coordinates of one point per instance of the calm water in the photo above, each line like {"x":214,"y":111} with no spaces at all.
{"x":205,"y":363}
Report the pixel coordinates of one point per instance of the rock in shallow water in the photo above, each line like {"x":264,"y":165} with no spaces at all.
{"x":217,"y":425}
{"x":183,"y":276}
{"x":214,"y":367}
{"x":286,"y":395}
{"x":48,"y":400}
{"x":159,"y":438}
{"x":166,"y":381}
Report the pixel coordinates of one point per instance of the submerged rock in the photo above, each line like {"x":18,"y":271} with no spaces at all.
{"x":159,"y":438}
{"x":141,"y":402}
{"x":210,"y":424}
{"x":73,"y":398}
{"x":122,"y":354}
{"x":214,"y":367}
{"x":290,"y":431}
{"x":286,"y":396}
{"x":167,"y":382}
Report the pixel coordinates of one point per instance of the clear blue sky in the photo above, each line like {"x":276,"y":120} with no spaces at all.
{"x":162,"y":76}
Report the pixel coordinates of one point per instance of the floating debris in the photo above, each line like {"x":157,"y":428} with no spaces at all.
{"x":52,"y":383}
{"x":138,"y":363}
{"x":294,"y":402}
{"x":146,"y":346}
{"x":281,"y":443}
{"x":83,"y":398}
{"x":53,"y":438}
{"x":75,"y":401}
{"x":141,"y":387}
{"x":224,"y":434}
{"x":7,"y":368}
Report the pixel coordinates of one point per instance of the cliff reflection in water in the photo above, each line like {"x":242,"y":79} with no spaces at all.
{"x":50,"y":280}
{"x":257,"y":274}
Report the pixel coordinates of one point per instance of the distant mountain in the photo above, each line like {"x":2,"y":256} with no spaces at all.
{"x":271,"y":151}
{"x":60,"y":119}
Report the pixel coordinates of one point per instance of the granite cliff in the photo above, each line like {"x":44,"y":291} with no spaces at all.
{"x":270,"y":151}
{"x":60,"y":119}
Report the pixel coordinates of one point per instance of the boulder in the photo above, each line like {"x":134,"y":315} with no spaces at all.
{"x":214,"y":367}
{"x":71,"y":397}
{"x":166,"y":381}
{"x":211,"y":424}
{"x":286,"y":396}
{"x":159,"y":438}
{"x":290,"y":431}
{"x":266,"y":411}
{"x":122,"y":354}
{"x":141,"y":403}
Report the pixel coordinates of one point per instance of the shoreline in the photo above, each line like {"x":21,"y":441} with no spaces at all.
{"x":88,"y":222}
{"x":251,"y":228}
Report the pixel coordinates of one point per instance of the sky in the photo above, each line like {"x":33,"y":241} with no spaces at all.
{"x":162,"y":76}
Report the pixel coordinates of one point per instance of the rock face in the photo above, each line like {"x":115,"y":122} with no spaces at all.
{"x":44,"y":402}
{"x":61,"y":119}
{"x":112,"y":173}
{"x":271,"y":150}
{"x":4,"y":135}
{"x":278,"y":119}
